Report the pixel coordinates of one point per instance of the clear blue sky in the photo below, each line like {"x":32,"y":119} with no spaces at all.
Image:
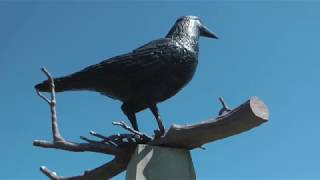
{"x":268,"y":49}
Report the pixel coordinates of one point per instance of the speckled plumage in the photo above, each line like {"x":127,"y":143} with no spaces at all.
{"x":146,"y":76}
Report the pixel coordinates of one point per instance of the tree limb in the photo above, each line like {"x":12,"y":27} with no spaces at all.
{"x":78,"y":147}
{"x":118,"y":148}
{"x":229,"y":122}
{"x":248,"y":115}
{"x":104,"y":172}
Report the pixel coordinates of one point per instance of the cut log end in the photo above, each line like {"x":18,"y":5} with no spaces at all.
{"x":249,"y":115}
{"x":259,"y":109}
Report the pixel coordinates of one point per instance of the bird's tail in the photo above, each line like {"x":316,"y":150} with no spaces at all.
{"x":86,"y":79}
{"x":44,"y":86}
{"x":61,"y":84}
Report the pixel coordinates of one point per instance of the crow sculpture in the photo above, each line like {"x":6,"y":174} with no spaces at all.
{"x":146,"y":76}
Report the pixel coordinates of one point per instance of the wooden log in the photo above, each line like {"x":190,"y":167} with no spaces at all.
{"x":250,"y":114}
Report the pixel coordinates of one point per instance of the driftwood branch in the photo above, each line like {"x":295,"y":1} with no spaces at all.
{"x":230,"y":122}
{"x":104,"y":172}
{"x":114,"y":146}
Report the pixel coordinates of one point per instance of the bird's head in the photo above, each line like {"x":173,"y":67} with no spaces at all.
{"x":190,"y":26}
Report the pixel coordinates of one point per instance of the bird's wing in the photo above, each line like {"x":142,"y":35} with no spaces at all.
{"x":142,"y":61}
{"x":123,"y":72}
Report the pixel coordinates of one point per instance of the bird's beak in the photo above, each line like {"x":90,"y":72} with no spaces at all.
{"x":204,"y":31}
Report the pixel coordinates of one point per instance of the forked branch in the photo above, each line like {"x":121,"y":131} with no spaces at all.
{"x":113,"y":146}
{"x":250,"y":114}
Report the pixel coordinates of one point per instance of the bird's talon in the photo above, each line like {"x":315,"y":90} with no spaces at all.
{"x":158,"y":134}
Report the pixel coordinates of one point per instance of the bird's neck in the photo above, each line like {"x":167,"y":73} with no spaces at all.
{"x":186,"y":34}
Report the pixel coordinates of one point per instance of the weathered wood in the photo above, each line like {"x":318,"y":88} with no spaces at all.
{"x":248,"y":115}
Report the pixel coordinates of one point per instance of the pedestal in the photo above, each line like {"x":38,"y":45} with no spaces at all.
{"x":159,"y":163}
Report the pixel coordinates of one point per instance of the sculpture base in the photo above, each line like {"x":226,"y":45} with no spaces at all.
{"x":154,"y":162}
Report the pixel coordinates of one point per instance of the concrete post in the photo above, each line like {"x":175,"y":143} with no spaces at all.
{"x":159,"y":163}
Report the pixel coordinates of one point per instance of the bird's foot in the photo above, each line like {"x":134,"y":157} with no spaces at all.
{"x":158,"y":133}
{"x":117,"y":140}
{"x":142,"y":136}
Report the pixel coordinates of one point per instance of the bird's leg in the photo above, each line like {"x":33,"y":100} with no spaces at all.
{"x":126,"y":109}
{"x":132,"y":118}
{"x":155,"y":112}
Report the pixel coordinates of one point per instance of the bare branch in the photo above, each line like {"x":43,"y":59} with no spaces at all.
{"x":51,"y":83}
{"x":88,"y":140}
{"x":225,"y":108}
{"x":128,"y":128}
{"x":98,"y":135}
{"x":43,"y":97}
{"x":106,"y":171}
{"x":117,"y":140}
{"x":224,"y":105}
{"x":52,"y":102}
{"x":79,"y":147}
{"x":52,"y":175}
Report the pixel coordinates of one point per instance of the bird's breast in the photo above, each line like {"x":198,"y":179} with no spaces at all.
{"x":177,"y":75}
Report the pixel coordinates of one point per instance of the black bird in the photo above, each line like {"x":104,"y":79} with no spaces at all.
{"x":146,"y":76}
